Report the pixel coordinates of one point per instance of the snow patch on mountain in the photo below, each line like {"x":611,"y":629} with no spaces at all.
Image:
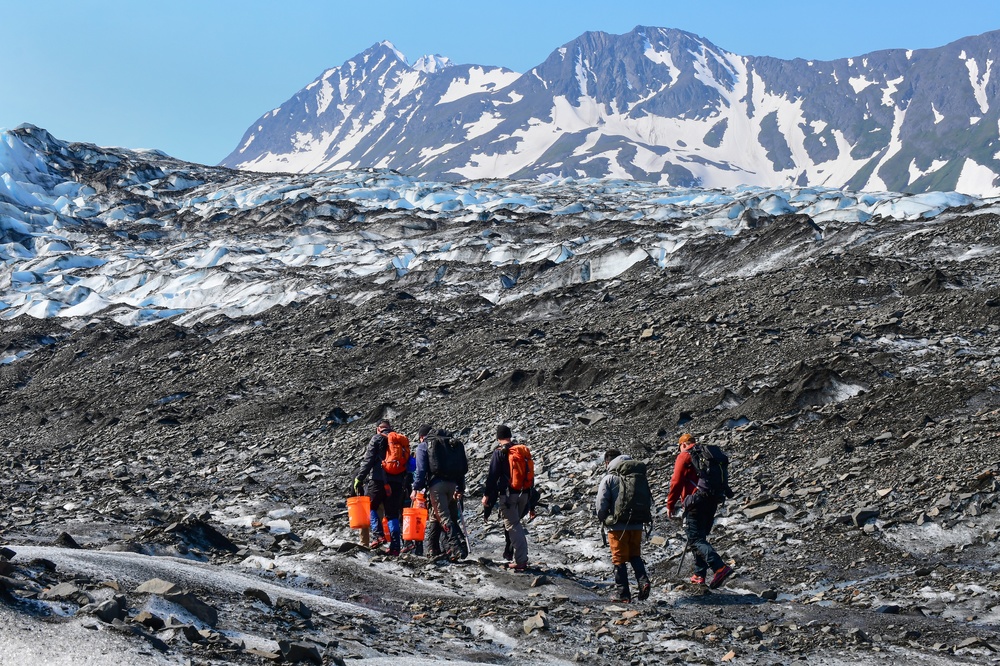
{"x":656,"y":105}
{"x":478,"y":81}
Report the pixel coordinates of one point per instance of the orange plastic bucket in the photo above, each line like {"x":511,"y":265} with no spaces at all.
{"x":414,"y":524}
{"x":358,"y":511}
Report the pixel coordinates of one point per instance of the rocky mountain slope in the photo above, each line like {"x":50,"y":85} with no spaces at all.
{"x":657,"y":105}
{"x":845,"y":357}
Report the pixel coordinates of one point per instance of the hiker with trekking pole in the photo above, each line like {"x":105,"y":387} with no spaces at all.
{"x":700,"y":483}
{"x":441,"y":468}
{"x":624,"y":507}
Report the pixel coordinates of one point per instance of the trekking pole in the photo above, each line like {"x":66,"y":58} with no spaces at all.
{"x":684,"y":550}
{"x":680,"y":562}
{"x":604,"y":536}
{"x":461,"y":522}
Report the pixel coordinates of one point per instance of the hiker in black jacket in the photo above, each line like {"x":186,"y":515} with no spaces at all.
{"x":512,"y":503}
{"x":384,"y":489}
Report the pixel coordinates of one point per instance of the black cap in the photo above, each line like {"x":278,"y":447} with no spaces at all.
{"x":423,"y":430}
{"x":503,"y":432}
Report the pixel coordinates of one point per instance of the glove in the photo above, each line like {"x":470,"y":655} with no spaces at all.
{"x":357,"y":486}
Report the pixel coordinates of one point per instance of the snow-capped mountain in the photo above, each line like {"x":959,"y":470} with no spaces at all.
{"x":657,"y":105}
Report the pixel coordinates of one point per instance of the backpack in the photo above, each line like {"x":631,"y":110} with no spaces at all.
{"x":522,"y":467}
{"x":634,"y":504}
{"x":712,"y":465}
{"x":446,"y":456}
{"x":397,"y":453}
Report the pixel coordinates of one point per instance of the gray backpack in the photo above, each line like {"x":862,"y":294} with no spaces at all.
{"x":634,"y":505}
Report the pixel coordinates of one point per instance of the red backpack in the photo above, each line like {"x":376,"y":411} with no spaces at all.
{"x":397,"y":453}
{"x":522,"y":467}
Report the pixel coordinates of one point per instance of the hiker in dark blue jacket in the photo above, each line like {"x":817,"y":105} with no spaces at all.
{"x":443,"y":496}
{"x":384,"y":489}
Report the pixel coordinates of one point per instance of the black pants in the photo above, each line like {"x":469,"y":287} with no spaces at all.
{"x":698,"y":523}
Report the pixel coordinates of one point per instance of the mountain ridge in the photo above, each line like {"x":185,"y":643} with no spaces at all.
{"x":655,"y":104}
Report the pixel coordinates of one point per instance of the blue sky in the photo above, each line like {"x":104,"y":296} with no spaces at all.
{"x":189,"y":76}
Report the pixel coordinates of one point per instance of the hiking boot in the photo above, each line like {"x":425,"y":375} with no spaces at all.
{"x":644,"y":591}
{"x":409,"y":549}
{"x":697,"y":580}
{"x":720,"y":576}
{"x":619,"y":599}
{"x":392,"y":552}
{"x":378,"y":543}
{"x":512,"y":566}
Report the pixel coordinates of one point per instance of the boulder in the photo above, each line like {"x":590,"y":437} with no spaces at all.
{"x":157,"y":586}
{"x":758,"y":512}
{"x":195,"y":606}
{"x":864,"y":515}
{"x":298,"y":651}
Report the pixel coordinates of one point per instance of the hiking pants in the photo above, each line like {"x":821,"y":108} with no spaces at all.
{"x":443,"y":514}
{"x":626,"y":548}
{"x":625,"y":544}
{"x":697,"y":526}
{"x":391,"y":503}
{"x":511,"y":507}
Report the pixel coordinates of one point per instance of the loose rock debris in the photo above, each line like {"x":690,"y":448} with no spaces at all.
{"x":856,"y":389}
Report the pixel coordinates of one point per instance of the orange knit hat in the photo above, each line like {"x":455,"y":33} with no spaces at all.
{"x":686,"y":438}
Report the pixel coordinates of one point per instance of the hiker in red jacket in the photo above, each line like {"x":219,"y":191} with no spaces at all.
{"x":698,"y":516}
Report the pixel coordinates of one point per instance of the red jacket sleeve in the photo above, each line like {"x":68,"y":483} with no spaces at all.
{"x":683,"y":481}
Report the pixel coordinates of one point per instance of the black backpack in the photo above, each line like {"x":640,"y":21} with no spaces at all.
{"x":446,"y":455}
{"x":634,"y":504}
{"x":712,"y":465}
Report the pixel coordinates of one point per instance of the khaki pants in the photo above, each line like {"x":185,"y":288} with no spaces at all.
{"x":511,"y":507}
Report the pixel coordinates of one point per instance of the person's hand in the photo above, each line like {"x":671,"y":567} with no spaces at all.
{"x":458,"y":496}
{"x":486,"y":502}
{"x":413,"y":495}
{"x":531,"y":515}
{"x":357,"y":486}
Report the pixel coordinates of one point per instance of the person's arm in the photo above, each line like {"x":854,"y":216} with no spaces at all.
{"x":604,"y":502}
{"x":372,"y":459}
{"x":492,"y":489}
{"x":423,"y":467}
{"x":677,"y":481}
{"x":461,"y":481}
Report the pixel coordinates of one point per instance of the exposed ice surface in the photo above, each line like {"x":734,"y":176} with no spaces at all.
{"x":26,"y":640}
{"x":133,"y":253}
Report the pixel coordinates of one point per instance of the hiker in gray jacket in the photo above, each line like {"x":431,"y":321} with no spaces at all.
{"x":624,"y":517}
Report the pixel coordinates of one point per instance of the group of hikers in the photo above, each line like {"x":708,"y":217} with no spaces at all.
{"x":432,"y":476}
